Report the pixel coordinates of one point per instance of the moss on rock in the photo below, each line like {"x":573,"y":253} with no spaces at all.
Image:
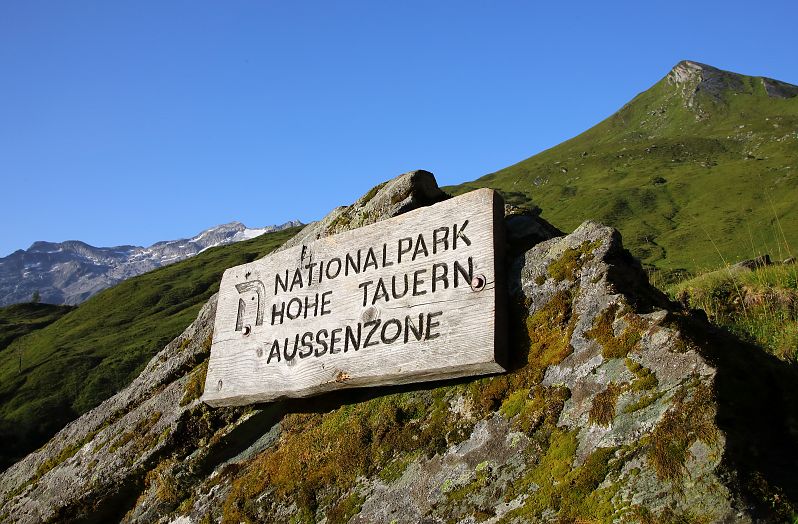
{"x":572,"y":260}
{"x":322,"y":454}
{"x":645,"y":379}
{"x":603,"y":332}
{"x":539,"y":341}
{"x":553,"y":488}
{"x":139,"y":435}
{"x":195,"y":384}
{"x":603,"y":409}
{"x":328,"y":451}
{"x":346,"y":508}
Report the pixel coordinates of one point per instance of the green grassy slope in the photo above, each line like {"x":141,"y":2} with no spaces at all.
{"x":758,"y":306}
{"x":91,"y":352}
{"x":688,"y":171}
{"x":20,"y":319}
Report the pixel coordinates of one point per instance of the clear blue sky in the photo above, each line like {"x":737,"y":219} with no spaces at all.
{"x":132,"y":122}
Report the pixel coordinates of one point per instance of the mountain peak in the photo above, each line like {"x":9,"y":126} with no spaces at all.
{"x":235,"y":224}
{"x":696,"y":76}
{"x":687,"y":70}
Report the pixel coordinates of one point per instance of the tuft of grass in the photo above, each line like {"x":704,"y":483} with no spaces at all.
{"x":690,"y":418}
{"x":603,"y":409}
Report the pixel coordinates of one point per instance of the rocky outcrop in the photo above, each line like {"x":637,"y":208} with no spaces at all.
{"x":753,"y":263}
{"x":695,"y":79}
{"x":779,"y":89}
{"x":618,"y":406}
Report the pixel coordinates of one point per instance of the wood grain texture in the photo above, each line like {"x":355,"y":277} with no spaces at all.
{"x":439,"y":328}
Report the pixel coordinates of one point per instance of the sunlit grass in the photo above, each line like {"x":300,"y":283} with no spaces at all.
{"x":760,"y":306}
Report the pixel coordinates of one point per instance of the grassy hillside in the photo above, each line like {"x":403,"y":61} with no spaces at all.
{"x":700,"y":168}
{"x":758,"y":306}
{"x":21,"y":319}
{"x":94,"y":350}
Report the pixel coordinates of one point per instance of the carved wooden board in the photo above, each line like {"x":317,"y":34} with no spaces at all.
{"x":413,"y":298}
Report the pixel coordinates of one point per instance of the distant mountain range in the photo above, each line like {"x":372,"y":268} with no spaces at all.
{"x":72,"y":271}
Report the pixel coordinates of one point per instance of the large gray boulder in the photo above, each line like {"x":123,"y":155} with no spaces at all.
{"x":618,"y":407}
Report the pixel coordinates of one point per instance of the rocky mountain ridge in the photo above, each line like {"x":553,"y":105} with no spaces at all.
{"x":70,"y":272}
{"x":619,"y":406}
{"x":717,"y":82}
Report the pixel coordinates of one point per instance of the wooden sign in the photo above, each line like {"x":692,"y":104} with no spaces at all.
{"x":413,"y":298}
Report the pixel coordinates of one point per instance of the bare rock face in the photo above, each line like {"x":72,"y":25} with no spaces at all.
{"x":695,"y":80}
{"x":779,"y":89}
{"x":618,"y":407}
{"x":525,"y":228}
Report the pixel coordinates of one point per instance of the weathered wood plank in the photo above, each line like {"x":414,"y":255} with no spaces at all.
{"x":416,"y":297}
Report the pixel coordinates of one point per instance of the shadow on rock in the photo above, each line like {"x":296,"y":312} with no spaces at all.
{"x":758,"y":411}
